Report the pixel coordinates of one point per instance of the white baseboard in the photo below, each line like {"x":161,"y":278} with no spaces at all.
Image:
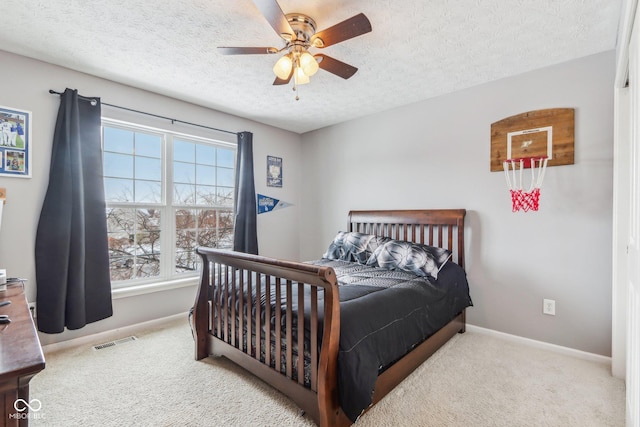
{"x":112,"y":334}
{"x":132,"y":329}
{"x":542,"y":345}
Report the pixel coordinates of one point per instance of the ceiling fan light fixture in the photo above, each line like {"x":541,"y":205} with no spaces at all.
{"x":308,"y":64}
{"x":298,"y":31}
{"x":282,"y":69}
{"x":300,"y":77}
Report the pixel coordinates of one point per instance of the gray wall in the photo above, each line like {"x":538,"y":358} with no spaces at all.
{"x":432,"y":154}
{"x":25,"y":85}
{"x":436,"y":154}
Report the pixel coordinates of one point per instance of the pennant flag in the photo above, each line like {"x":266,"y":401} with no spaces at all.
{"x":268,"y":204}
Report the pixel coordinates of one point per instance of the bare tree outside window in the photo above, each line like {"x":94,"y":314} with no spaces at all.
{"x":134,"y":243}
{"x":200,"y":227}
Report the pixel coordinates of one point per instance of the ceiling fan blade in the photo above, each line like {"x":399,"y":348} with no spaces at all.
{"x":275,"y":16}
{"x":334,"y":66}
{"x":246,"y":50}
{"x":279,"y":81}
{"x":345,"y":30}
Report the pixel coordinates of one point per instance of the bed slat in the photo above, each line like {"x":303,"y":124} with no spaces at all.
{"x":233,"y":307}
{"x":267,"y":323}
{"x":289,"y":332}
{"x":314,"y":338}
{"x":258,"y":317}
{"x":218,"y":302}
{"x":241,"y":328}
{"x":278,"y":326}
{"x":301,"y":345}
{"x":225,"y":295}
{"x":250,"y":319}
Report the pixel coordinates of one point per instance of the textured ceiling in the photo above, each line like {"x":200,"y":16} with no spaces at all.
{"x":418,"y":49}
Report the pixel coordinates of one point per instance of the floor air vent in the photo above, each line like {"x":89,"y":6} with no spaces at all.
{"x":114,"y":343}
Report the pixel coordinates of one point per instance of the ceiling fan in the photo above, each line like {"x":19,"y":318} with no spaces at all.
{"x":299,"y":34}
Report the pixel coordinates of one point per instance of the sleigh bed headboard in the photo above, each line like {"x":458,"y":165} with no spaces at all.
{"x":443,"y":227}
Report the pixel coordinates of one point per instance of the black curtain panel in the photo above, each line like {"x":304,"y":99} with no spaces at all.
{"x":72,"y":258}
{"x":245,"y":234}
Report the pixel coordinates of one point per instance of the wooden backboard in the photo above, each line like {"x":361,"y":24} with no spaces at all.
{"x":534,"y":134}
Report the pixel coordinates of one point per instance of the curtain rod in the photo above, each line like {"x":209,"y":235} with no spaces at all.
{"x":51,"y":91}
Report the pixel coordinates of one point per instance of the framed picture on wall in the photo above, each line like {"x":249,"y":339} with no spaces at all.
{"x":15,"y":142}
{"x":274,"y":171}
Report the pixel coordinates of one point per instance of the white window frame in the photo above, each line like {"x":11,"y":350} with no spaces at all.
{"x":167,"y":278}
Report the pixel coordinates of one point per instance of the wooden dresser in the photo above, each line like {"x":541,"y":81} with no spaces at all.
{"x":20,"y":359}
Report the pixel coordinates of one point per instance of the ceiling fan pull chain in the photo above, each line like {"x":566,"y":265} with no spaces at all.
{"x":296,"y":65}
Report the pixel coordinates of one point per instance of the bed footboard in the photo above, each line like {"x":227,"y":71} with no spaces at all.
{"x":231,"y":319}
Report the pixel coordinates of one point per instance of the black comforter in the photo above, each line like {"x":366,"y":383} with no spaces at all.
{"x":383,"y":315}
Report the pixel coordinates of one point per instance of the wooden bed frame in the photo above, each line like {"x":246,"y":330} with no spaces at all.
{"x":216,"y":335}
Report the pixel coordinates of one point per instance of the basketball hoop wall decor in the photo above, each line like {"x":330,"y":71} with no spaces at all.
{"x":532,"y":140}
{"x":522,"y":199}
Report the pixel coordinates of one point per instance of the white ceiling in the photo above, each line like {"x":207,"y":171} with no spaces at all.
{"x":418,"y":49}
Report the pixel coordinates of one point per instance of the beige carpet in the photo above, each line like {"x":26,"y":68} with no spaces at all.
{"x":475,"y":380}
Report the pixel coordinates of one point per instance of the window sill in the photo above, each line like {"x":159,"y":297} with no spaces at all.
{"x":148,"y":288}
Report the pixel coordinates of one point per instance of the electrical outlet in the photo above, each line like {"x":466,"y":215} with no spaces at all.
{"x":549,"y":307}
{"x":32,"y":309}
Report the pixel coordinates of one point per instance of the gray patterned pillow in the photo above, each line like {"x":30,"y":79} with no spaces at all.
{"x":336,"y":247}
{"x":353,"y":246}
{"x":421,"y":260}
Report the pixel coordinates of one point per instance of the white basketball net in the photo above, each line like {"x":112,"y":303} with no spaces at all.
{"x":522,"y":199}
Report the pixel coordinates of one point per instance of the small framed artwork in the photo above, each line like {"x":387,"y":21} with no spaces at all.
{"x":15,"y":142}
{"x":274,"y":171}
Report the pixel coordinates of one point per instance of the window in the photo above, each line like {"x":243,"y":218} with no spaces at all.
{"x":166,"y":195}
